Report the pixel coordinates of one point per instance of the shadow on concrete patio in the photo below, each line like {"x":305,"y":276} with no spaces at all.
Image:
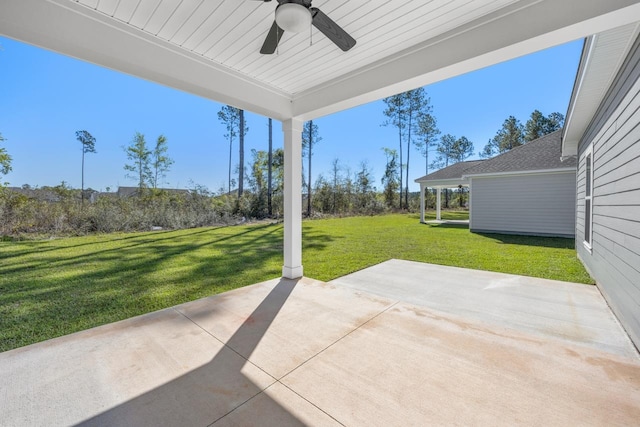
{"x":210,"y":392}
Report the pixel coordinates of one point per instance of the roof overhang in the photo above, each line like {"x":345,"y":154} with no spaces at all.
{"x":519,"y":28}
{"x":602,"y":56}
{"x":444,"y":183}
{"x":519,"y":173}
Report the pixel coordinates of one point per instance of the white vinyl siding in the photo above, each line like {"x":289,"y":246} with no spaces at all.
{"x":539,"y":204}
{"x":614,"y":140}
{"x":588,"y":197}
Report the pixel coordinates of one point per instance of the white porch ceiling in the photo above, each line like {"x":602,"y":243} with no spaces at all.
{"x":211,"y":48}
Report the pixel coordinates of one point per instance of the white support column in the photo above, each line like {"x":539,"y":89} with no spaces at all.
{"x":422,"y":203}
{"x":292,"y":267}
{"x":438,"y":204}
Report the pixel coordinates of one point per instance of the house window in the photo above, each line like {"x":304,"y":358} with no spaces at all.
{"x":588,"y":196}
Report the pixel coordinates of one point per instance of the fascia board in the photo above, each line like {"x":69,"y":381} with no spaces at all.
{"x":569,"y":140}
{"x":516,"y":173}
{"x":444,"y":183}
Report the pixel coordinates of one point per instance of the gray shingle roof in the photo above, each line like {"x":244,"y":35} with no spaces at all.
{"x":455,"y":171}
{"x":540,"y":154}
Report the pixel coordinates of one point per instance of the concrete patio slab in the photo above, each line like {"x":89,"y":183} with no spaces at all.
{"x":277,"y":406}
{"x":547,"y":308}
{"x":390,"y":345}
{"x":291,"y":321}
{"x":413,"y":366}
{"x":156,"y":369}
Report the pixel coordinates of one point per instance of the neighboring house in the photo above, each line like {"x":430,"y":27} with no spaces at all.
{"x":127,"y":191}
{"x":133,"y":191}
{"x":42,"y":194}
{"x":603,"y":132}
{"x":527,"y":190}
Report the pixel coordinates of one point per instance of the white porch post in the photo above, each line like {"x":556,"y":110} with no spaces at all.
{"x":292,"y":267}
{"x":422,"y":203}
{"x":438,"y":204}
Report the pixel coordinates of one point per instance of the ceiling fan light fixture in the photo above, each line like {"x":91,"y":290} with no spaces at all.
{"x":293,"y":17}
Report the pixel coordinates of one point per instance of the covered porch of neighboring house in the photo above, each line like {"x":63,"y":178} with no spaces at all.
{"x":438,"y":186}
{"x":448,"y":177}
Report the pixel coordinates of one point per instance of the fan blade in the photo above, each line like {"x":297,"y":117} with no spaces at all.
{"x":332,"y":30}
{"x":272,"y":40}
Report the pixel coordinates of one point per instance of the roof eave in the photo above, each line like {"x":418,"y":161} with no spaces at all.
{"x":443,"y":183}
{"x":570,"y":146}
{"x":602,"y":57}
{"x":521,"y":172}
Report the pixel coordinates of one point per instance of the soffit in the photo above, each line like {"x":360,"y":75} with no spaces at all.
{"x":231,"y":32}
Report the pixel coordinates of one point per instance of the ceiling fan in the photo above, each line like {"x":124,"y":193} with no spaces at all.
{"x":296,"y":16}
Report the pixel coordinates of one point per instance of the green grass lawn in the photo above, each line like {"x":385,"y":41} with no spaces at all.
{"x":56,"y":287}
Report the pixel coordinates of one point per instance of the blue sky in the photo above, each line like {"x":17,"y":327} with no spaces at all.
{"x":47,"y":97}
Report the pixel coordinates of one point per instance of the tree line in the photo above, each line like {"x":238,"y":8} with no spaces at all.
{"x":512,"y":134}
{"x":339,"y":191}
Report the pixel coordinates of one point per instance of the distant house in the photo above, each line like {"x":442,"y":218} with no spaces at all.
{"x":527,"y":190}
{"x":42,"y":194}
{"x":134,"y":191}
{"x":603,"y":132}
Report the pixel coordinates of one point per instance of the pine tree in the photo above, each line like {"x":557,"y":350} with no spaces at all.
{"x":243,"y":129}
{"x":270,"y":170}
{"x":160,"y":162}
{"x":535,"y":126}
{"x":88,"y":146}
{"x":396,"y":116}
{"x":510,"y":136}
{"x":140,"y":156}
{"x":462,"y":149}
{"x":538,"y":125}
{"x":451,"y":150}
{"x":554,"y":122}
{"x":427,"y":133}
{"x":420,"y":123}
{"x":410,"y":112}
{"x":5,"y":159}
{"x":390,"y":177}
{"x":310,"y":137}
{"x":444,"y":152}
{"x":230,"y":117}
